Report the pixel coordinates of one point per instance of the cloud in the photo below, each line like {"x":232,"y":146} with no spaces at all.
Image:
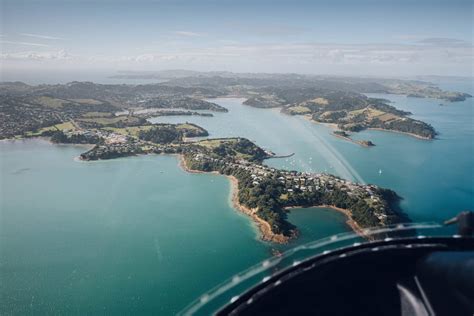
{"x":41,"y":36}
{"x":59,"y":55}
{"x":188,"y":34}
{"x":277,"y":53}
{"x":24,"y":43}
{"x":368,"y":58}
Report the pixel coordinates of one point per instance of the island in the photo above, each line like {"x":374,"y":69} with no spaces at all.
{"x":346,"y":136}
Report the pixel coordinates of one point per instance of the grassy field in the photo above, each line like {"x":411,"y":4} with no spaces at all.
{"x":357,"y":112}
{"x":370,"y":113}
{"x":109,"y":120}
{"x":57,"y":127}
{"x":320,"y":101}
{"x":299,"y":109}
{"x":97,"y":114}
{"x":102,"y":120}
{"x":135,"y":130}
{"x":87,"y":101}
{"x":58,"y":103}
{"x":187,"y":126}
{"x":50,"y":102}
{"x":213,"y":143}
{"x":130,"y":131}
{"x":387,"y":117}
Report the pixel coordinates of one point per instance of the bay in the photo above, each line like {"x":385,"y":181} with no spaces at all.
{"x":139,"y":235}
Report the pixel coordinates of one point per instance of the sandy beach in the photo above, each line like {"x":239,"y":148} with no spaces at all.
{"x":264,"y":227}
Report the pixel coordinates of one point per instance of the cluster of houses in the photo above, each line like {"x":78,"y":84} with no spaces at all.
{"x":109,"y":137}
{"x":296,"y":182}
{"x":114,"y":145}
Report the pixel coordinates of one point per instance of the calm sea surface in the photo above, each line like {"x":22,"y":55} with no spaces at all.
{"x":139,"y":235}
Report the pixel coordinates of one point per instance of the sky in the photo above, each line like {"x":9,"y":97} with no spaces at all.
{"x":367,"y":38}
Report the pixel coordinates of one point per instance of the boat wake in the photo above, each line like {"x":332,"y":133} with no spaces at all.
{"x":340,"y":165}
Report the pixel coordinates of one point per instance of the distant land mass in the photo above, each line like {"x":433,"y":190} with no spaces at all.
{"x":413,"y":88}
{"x":26,"y":109}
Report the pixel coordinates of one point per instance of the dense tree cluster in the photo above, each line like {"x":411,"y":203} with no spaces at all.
{"x":169,"y":133}
{"x":407,"y":125}
{"x":270,"y":196}
{"x":161,"y":135}
{"x":240,"y":147}
{"x":193,"y":130}
{"x":60,"y":137}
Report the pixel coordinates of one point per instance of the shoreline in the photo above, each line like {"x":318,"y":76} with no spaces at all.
{"x":399,"y":132}
{"x":355,"y":227}
{"x":47,"y":139}
{"x":334,"y":126}
{"x":356,"y":142}
{"x":266,"y":233}
{"x":264,"y":227}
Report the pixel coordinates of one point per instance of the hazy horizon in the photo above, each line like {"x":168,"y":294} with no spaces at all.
{"x":108,"y":76}
{"x":403,"y":39}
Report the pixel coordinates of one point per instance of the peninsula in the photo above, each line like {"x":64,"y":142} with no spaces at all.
{"x":262,"y":192}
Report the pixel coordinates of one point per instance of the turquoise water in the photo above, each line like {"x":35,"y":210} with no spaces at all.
{"x":434,"y":178}
{"x":139,"y":235}
{"x":116,"y":237}
{"x":132,"y":235}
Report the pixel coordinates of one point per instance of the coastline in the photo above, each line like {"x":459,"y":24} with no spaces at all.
{"x":350,"y":221}
{"x":266,"y":233}
{"x":399,"y":132}
{"x":356,"y":142}
{"x":47,"y":139}
{"x":334,"y":126}
{"x":264,"y":227}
